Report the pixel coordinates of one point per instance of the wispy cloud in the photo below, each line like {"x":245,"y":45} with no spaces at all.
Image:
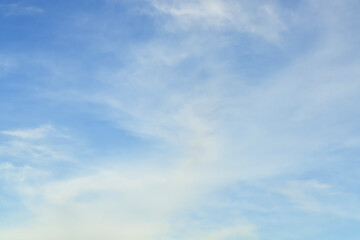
{"x":33,"y":145}
{"x":16,"y":9}
{"x":321,"y":198}
{"x":262,"y":19}
{"x":36,"y":133}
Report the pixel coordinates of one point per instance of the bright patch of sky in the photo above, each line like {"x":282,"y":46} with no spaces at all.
{"x":179,"y":120}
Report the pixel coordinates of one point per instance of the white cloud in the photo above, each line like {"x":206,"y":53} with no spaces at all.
{"x":16,"y":9}
{"x":7,"y":63}
{"x":313,"y":196}
{"x":12,"y":174}
{"x":33,"y":133}
{"x":35,"y":145}
{"x":128,"y":203}
{"x":262,"y":19}
{"x":244,"y":232}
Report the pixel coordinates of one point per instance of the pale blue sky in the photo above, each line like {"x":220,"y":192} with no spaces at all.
{"x":179,"y":120}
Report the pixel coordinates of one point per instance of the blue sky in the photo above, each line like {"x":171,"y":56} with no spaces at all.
{"x":179,"y":120}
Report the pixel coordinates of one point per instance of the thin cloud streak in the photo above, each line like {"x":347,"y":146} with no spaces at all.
{"x":18,"y":9}
{"x":260,"y":19}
